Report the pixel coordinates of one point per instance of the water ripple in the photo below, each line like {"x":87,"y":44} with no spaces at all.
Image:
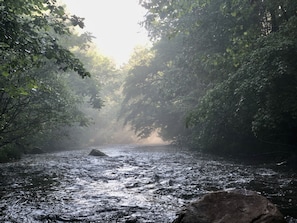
{"x":133,"y":184}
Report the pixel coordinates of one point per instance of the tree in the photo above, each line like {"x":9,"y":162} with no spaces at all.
{"x":48,"y":105}
{"x":35,"y":94}
{"x":157,"y":92}
{"x":254,"y":106}
{"x":30,"y":30}
{"x":235,"y":65}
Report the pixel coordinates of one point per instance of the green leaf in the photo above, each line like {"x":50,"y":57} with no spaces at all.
{"x":5,"y":73}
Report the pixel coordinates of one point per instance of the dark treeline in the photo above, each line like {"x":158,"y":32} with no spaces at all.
{"x":221,"y":75}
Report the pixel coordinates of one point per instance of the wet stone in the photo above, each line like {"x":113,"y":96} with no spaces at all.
{"x":96,"y":152}
{"x":131,"y":220}
{"x":235,"y":206}
{"x":35,"y":150}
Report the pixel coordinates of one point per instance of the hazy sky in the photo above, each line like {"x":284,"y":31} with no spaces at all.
{"x":114,"y":23}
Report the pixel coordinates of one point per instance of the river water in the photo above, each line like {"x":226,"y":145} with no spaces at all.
{"x":137,"y":184}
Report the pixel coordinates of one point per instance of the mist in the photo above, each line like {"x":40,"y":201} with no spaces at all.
{"x":148,"y":111}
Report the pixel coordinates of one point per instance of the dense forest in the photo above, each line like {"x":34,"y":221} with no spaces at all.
{"x":221,"y":76}
{"x":45,"y":81}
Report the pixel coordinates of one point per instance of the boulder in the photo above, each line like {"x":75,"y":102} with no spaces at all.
{"x":35,"y":150}
{"x":235,"y":206}
{"x":96,"y":152}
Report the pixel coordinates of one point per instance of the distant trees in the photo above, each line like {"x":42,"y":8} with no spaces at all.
{"x":154,"y":91}
{"x":105,"y":128}
{"x":228,"y":74}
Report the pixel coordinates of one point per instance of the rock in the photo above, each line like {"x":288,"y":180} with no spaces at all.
{"x":96,"y":152}
{"x":131,"y":220}
{"x":235,"y":206}
{"x":35,"y":150}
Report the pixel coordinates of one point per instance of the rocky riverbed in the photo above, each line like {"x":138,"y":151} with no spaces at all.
{"x":131,"y":184}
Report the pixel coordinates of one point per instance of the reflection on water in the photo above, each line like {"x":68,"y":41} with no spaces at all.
{"x":132,"y":184}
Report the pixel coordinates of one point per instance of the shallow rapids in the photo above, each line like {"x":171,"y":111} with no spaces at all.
{"x":140,"y":184}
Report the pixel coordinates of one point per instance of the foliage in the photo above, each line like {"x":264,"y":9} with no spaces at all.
{"x":37,"y":97}
{"x":9,"y":154}
{"x":29,"y":31}
{"x":104,"y":127}
{"x":44,"y":104}
{"x":255,"y":103}
{"x":151,"y":92}
{"x":230,"y":77}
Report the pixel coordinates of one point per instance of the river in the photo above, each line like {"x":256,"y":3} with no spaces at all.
{"x":140,"y":184}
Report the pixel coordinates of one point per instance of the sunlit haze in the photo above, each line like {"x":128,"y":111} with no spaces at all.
{"x":114,"y":23}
